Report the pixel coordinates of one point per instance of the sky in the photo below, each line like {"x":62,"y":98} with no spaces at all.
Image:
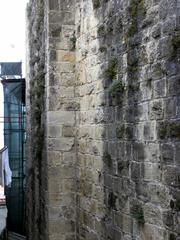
{"x":12,"y":30}
{"x":12,"y":40}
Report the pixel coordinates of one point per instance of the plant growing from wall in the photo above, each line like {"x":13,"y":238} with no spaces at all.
{"x":103,"y":49}
{"x":101,"y":31}
{"x":73,"y":40}
{"x":120,"y":131}
{"x":135,"y":9}
{"x":177,"y":205}
{"x":176,"y":42}
{"x":137,"y":213}
{"x":116,"y":88}
{"x":169,"y":130}
{"x":172,"y":236}
{"x":176,"y":45}
{"x":96,"y":4}
{"x":112,"y":200}
{"x":107,"y":159}
{"x":111,"y":70}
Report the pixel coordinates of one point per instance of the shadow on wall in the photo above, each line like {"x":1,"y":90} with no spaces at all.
{"x":132,"y":168}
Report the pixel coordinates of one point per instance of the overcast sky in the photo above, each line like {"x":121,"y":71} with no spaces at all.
{"x":12,"y":30}
{"x":12,"y":39}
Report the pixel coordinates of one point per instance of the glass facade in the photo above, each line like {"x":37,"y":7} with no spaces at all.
{"x":15,"y":140}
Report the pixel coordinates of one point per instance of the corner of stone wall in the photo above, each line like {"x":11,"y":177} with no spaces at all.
{"x":35,"y":82}
{"x":61,"y":108}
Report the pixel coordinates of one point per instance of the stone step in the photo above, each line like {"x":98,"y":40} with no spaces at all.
{"x":15,"y":236}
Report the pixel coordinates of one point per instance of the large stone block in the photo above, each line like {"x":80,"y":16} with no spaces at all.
{"x":157,"y":110}
{"x":62,"y":17}
{"x":159,"y":194}
{"x":167,"y":151}
{"x":152,"y":232}
{"x":61,"y":144}
{"x":53,"y":5}
{"x":61,"y":226}
{"x":54,"y":158}
{"x":152,"y":152}
{"x":65,"y":56}
{"x":153,"y":214}
{"x":171,"y":176}
{"x":60,"y":200}
{"x":170,"y":108}
{"x":54,"y":131}
{"x":159,"y":88}
{"x":61,"y":117}
{"x":151,"y":172}
{"x":138,"y":152}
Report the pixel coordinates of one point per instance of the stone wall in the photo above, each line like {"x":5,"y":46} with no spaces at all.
{"x":51,"y":118}
{"x":127,"y":73}
{"x":61,"y":120}
{"x":109,"y":165}
{"x":36,"y":158}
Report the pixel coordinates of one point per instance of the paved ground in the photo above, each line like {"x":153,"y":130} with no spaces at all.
{"x":3,"y":215}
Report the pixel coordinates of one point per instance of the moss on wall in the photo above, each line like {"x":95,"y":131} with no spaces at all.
{"x":35,"y":195}
{"x":169,"y":130}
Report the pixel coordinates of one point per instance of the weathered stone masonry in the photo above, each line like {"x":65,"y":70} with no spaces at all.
{"x":103,"y":120}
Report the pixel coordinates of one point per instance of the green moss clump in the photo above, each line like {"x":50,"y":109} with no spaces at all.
{"x":169,"y":130}
{"x":177,"y":205}
{"x":101,"y":31}
{"x":176,"y":46}
{"x":171,"y":204}
{"x":132,"y":69}
{"x":132,"y":30}
{"x":96,"y":4}
{"x":124,"y":132}
{"x":116,"y":88}
{"x":73,"y":40}
{"x":56,"y":32}
{"x":111,"y":70}
{"x":120,"y":131}
{"x":110,"y":27}
{"x":172,"y":236}
{"x":103,"y":49}
{"x":133,"y":88}
{"x":135,"y":7}
{"x":176,"y":42}
{"x":129,"y":132}
{"x":141,"y":5}
{"x":158,"y":70}
{"x":162,"y":130}
{"x":138,"y":214}
{"x":121,"y":166}
{"x":107,"y":159}
{"x":112,"y":200}
{"x":174,"y":130}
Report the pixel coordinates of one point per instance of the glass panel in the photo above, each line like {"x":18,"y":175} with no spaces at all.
{"x":14,"y":138}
